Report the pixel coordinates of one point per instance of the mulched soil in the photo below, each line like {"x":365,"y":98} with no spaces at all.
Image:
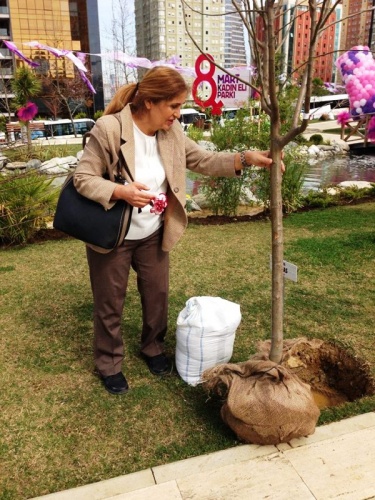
{"x":210,"y":220}
{"x":207,"y":219}
{"x":47,"y":235}
{"x":203,"y":218}
{"x":219,"y":220}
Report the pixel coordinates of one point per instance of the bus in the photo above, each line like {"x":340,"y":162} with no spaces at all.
{"x":64,"y":127}
{"x":327,"y":104}
{"x":50,"y":128}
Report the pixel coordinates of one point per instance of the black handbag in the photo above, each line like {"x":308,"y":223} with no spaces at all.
{"x":88,"y":221}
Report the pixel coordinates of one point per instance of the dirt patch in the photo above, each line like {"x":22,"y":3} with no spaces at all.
{"x":270,"y":403}
{"x":334,"y":373}
{"x":47,"y":235}
{"x":254,"y":214}
{"x":42,"y":235}
{"x":205,"y":217}
{"x":219,"y":220}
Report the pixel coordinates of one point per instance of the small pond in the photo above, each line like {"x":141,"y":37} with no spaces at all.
{"x":332,"y":171}
{"x":326,"y":172}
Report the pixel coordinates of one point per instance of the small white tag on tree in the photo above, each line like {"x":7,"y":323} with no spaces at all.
{"x":290,"y":270}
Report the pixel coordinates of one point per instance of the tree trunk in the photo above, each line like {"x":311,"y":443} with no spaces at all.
{"x":277,"y":316}
{"x":28,"y":135}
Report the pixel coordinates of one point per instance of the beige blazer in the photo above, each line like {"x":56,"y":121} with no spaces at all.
{"x":178,"y":152}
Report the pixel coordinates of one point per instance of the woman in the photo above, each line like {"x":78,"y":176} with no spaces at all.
{"x":140,"y":130}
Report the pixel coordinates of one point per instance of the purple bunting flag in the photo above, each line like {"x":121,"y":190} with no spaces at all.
{"x":13,"y":48}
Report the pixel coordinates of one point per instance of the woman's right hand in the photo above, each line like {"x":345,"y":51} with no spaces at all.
{"x":135,"y":193}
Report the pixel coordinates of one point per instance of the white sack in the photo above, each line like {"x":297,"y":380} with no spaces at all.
{"x":205,"y":334}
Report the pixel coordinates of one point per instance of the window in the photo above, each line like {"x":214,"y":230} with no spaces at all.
{"x":74,"y":21}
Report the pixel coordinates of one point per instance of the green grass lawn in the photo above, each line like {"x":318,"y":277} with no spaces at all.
{"x":61,"y":429}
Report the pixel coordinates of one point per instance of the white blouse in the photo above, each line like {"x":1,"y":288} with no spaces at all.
{"x":149,"y":170}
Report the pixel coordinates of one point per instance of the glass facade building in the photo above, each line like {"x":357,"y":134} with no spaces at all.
{"x":62,"y":24}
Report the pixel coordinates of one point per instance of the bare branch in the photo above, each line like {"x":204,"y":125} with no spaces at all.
{"x":264,"y":49}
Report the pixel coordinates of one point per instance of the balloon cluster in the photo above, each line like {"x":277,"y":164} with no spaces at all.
{"x":357,"y":68}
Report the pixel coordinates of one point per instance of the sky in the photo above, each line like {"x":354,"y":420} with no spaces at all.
{"x":105,"y":11}
{"x":105,"y":23}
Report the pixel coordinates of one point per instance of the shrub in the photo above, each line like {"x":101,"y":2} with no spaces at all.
{"x":354,"y":193}
{"x":98,"y":114}
{"x":241,"y":133}
{"x":333,"y":195}
{"x":195,"y":133}
{"x":320,"y":199}
{"x":316,"y":139}
{"x":292,"y":183}
{"x":223,"y":194}
{"x":3,"y":123}
{"x":189,"y":203}
{"x":41,"y":152}
{"x":300,"y":139}
{"x":26,"y":200}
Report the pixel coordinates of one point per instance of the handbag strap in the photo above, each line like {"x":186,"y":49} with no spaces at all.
{"x":122,"y":162}
{"x":85,"y":138}
{"x":118,"y":178}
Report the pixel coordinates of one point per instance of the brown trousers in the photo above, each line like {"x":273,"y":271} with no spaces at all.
{"x":109,"y":279}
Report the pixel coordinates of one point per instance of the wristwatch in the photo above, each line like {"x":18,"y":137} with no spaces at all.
{"x":243,"y":160}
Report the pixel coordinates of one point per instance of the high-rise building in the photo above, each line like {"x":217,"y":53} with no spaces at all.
{"x":324,"y":56}
{"x":63,"y":24}
{"x":234,"y":50}
{"x":356,"y":23}
{"x":372,"y":30}
{"x":293,"y":24}
{"x":161,"y":31}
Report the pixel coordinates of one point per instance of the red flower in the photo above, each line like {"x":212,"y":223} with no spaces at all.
{"x":28,"y":112}
{"x":159,"y":204}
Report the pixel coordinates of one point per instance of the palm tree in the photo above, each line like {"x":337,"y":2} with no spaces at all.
{"x":25,"y":86}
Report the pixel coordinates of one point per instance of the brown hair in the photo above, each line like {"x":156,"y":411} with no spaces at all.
{"x":158,"y":84}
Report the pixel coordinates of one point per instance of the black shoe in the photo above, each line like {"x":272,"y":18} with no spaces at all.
{"x":115,"y":384}
{"x":158,"y":365}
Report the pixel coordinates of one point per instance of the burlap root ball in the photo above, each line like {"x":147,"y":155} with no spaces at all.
{"x":265,"y":402}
